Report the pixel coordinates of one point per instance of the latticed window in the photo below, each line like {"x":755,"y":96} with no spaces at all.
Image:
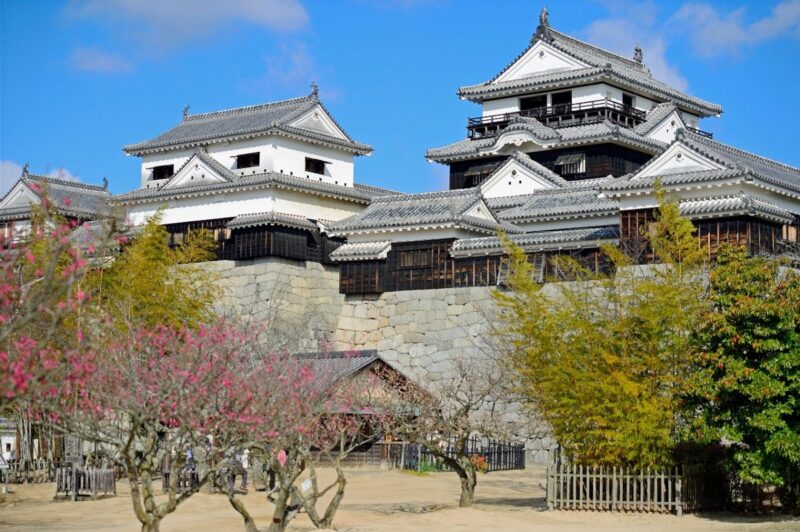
{"x":573,"y":163}
{"x":414,"y":258}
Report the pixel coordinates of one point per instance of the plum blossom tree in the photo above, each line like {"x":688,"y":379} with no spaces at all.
{"x":159,"y":393}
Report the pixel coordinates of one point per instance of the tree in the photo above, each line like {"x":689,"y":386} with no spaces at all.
{"x":471,"y":400}
{"x":41,"y":270}
{"x":314,"y":416}
{"x":605,"y":360}
{"x":150,"y":284}
{"x":749,"y":387}
{"x":156,"y":395}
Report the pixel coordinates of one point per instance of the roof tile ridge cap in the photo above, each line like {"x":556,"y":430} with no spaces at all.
{"x":66,"y":182}
{"x":634,"y":64}
{"x":715,"y":144}
{"x":246,"y":109}
{"x":503,"y":71}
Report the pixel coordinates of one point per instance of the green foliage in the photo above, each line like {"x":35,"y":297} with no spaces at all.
{"x":150,"y":284}
{"x":605,"y":360}
{"x":749,"y":386}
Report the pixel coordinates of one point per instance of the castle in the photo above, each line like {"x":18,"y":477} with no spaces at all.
{"x":564,"y":158}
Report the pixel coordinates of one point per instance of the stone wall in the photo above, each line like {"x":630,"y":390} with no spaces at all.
{"x":419,"y":332}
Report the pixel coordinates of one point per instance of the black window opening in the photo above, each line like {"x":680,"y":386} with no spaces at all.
{"x":164,"y":171}
{"x":571,"y":164}
{"x":315,"y":166}
{"x":627,"y":100}
{"x":248,"y":160}
{"x":562,"y":101}
{"x":533,"y":102}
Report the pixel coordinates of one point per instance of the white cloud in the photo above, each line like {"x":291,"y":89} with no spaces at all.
{"x":621,"y":35}
{"x":161,"y":25}
{"x":292,"y":66}
{"x":714,"y":33}
{"x":63,"y":173}
{"x":9,"y":173}
{"x":94,"y":60}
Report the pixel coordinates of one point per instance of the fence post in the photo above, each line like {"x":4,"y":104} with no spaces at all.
{"x":550,"y":485}
{"x":678,"y":492}
{"x":74,"y":483}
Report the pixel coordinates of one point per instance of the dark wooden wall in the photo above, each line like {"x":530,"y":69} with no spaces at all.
{"x":261,"y":241}
{"x":442,"y":271}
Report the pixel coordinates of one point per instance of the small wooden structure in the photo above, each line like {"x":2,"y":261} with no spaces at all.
{"x":74,"y":481}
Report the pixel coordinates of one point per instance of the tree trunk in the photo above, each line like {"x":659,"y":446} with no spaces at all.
{"x":280,"y":516}
{"x":249,"y":523}
{"x":152,"y":526}
{"x":468,"y":477}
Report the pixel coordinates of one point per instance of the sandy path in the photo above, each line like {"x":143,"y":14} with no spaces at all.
{"x":375,"y":501}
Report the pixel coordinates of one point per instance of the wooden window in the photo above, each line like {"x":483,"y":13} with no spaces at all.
{"x":533,"y":102}
{"x":315,"y":166}
{"x":414,"y":258}
{"x":562,"y":101}
{"x":570,"y":164}
{"x":627,"y":100}
{"x":165,"y":171}
{"x":248,"y":160}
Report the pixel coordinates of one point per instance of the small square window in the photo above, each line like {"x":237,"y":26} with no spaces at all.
{"x":248,"y":160}
{"x":315,"y":166}
{"x":165,"y":171}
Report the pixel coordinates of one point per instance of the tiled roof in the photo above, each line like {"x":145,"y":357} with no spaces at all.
{"x":564,"y":137}
{"x":271,"y":179}
{"x":443,"y":209}
{"x":269,"y":118}
{"x":738,"y":164}
{"x":602,"y":64}
{"x":654,"y":117}
{"x":203,"y":155}
{"x":70,"y":198}
{"x":572,"y":202}
{"x":735,"y":204}
{"x":362,"y":251}
{"x":328,"y":368}
{"x":523,"y":123}
{"x":535,"y":167}
{"x":538,"y":241}
{"x":271,"y":218}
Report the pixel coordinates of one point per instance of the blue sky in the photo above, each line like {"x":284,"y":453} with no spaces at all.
{"x":81,"y":78}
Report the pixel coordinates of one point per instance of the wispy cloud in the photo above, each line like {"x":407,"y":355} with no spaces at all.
{"x":714,"y":32}
{"x":158,"y":27}
{"x":94,"y":60}
{"x":622,"y":33}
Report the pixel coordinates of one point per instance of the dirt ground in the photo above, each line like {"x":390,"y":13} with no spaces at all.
{"x":375,"y":501}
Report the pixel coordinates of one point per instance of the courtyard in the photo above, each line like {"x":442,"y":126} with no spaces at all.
{"x":375,"y":501}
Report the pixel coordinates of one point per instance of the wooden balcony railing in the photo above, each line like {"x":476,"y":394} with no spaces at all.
{"x":560,"y":116}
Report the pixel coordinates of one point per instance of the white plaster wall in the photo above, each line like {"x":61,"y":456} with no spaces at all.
{"x":290,"y":158}
{"x":236,"y":203}
{"x":177,"y":158}
{"x":503,"y":105}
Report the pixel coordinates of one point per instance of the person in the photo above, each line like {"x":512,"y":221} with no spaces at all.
{"x":245,"y":461}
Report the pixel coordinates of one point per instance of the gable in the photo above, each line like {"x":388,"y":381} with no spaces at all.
{"x":666,"y":129}
{"x":677,"y":158}
{"x":195,"y":172}
{"x":480,"y":210}
{"x":19,"y":196}
{"x":541,"y":57}
{"x":319,"y":121}
{"x":514,"y":179}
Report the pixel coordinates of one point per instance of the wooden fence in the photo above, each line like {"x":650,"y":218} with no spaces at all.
{"x":675,"y":489}
{"x":31,"y":471}
{"x":75,"y":481}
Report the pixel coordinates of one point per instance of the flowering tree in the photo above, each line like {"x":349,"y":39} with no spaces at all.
{"x":314,"y":416}
{"x":41,"y":274}
{"x":158,"y":394}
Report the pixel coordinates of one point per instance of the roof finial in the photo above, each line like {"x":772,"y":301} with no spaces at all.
{"x":186,"y":110}
{"x":543,"y":29}
{"x":637,"y":54}
{"x":314,"y":89}
{"x":105,"y":183}
{"x":25,"y":169}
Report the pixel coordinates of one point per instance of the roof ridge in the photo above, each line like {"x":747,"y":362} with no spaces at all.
{"x":626,"y":60}
{"x":66,"y":182}
{"x":249,"y":108}
{"x":429,"y":195}
{"x":717,"y":145}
